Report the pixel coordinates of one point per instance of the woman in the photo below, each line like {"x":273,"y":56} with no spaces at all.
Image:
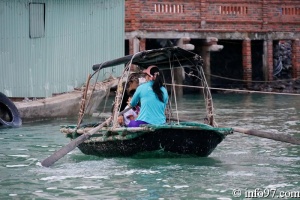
{"x":153,"y":98}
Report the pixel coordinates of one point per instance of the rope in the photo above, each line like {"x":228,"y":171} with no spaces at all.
{"x":232,"y":79}
{"x":173,"y":88}
{"x":235,"y":90}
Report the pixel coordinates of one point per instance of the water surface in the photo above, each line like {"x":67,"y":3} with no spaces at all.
{"x":239,"y":162}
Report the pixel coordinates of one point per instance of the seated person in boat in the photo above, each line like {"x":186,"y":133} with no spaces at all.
{"x":153,"y":98}
{"x":132,"y":84}
{"x":133,"y":112}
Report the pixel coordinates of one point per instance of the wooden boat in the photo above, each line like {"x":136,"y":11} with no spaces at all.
{"x":175,"y":136}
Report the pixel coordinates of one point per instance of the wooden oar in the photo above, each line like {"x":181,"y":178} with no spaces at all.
{"x":268,"y":135}
{"x":262,"y":134}
{"x":74,"y":143}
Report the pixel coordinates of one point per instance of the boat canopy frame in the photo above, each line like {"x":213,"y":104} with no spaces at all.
{"x":163,"y":58}
{"x":167,"y":58}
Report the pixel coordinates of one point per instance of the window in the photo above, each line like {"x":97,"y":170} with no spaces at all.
{"x":290,"y":11}
{"x":234,"y":10}
{"x":168,"y":8}
{"x":36,"y":20}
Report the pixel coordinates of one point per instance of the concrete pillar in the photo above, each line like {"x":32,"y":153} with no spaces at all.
{"x":205,"y":54}
{"x":270,"y":59}
{"x":209,"y":45}
{"x":247,"y":64}
{"x":183,"y":43}
{"x":136,"y":45}
{"x":296,"y":58}
{"x":178,"y":78}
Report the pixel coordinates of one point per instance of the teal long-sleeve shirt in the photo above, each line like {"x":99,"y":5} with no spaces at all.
{"x":152,"y":109}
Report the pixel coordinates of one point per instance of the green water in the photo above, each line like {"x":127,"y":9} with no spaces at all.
{"x":240,"y":162}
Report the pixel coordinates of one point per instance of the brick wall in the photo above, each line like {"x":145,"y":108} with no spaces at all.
{"x":213,"y":15}
{"x":225,"y":19}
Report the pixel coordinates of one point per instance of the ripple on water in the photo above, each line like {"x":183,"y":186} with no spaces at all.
{"x":16,"y":166}
{"x":20,"y":156}
{"x":281,"y":185}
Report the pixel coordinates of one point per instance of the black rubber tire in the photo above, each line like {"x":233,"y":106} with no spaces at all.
{"x":9,"y":114}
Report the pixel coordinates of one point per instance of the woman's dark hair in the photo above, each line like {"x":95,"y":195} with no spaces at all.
{"x":158,"y":83}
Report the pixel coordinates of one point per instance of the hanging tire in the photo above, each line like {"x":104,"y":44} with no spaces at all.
{"x":9,"y":114}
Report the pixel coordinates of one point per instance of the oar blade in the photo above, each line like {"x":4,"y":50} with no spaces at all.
{"x":63,"y":151}
{"x":72,"y":145}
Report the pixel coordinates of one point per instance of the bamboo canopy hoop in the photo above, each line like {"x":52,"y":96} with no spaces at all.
{"x":83,"y":101}
{"x":208,"y":100}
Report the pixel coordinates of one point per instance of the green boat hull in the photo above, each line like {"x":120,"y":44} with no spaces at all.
{"x":184,"y":138}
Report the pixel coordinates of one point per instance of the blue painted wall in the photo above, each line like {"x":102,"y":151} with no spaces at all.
{"x":50,"y":47}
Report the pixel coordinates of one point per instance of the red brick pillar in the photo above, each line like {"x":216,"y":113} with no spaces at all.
{"x":142,"y":44}
{"x":270,"y":59}
{"x":296,"y":58}
{"x":247,"y":66}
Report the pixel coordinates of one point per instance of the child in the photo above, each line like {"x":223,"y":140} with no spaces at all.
{"x":132,"y":113}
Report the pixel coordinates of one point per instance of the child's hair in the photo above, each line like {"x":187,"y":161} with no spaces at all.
{"x":131,"y":93}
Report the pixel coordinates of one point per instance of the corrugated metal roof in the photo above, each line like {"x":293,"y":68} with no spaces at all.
{"x":77,"y":34}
